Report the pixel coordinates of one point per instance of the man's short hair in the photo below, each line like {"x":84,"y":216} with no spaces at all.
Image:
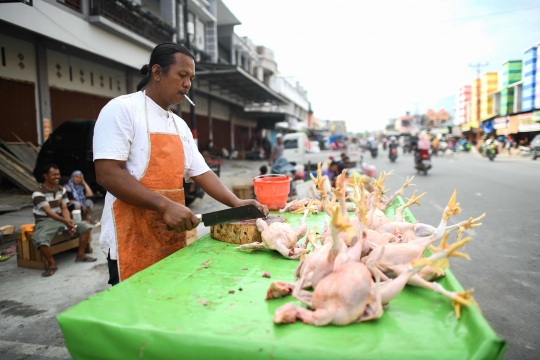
{"x":333,"y":163}
{"x":46,"y":168}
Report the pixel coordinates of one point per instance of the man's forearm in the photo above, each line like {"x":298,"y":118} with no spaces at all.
{"x":51,"y":214}
{"x":65,"y":213}
{"x":126,"y":188}
{"x":213,"y":186}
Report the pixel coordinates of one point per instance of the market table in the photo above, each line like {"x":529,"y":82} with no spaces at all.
{"x":159,"y":314}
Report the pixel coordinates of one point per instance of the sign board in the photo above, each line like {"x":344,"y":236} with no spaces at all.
{"x":529,"y":127}
{"x":526,"y":118}
{"x":501,"y":122}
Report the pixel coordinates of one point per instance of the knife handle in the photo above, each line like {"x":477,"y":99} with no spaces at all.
{"x":199,"y":216}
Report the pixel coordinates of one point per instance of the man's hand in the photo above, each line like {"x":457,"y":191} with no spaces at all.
{"x":70,"y":226}
{"x":258,"y":205}
{"x":179,"y":218}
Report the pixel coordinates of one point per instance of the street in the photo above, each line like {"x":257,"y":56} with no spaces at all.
{"x":505,"y":253}
{"x":503,"y":269}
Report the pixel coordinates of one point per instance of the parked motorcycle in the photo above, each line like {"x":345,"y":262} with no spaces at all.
{"x":423,"y":161}
{"x":392,"y":154}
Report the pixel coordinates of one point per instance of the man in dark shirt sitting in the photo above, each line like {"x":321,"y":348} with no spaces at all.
{"x":52,"y":216}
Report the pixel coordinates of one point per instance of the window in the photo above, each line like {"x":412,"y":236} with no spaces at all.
{"x":72,"y":4}
{"x":200,"y":35}
{"x":291,"y":144}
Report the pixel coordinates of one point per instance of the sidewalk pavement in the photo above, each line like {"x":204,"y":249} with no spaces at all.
{"x":29,"y":303}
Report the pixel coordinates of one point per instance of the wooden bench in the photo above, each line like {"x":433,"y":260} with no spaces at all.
{"x":30,"y":257}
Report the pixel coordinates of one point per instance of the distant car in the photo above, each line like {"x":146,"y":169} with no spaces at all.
{"x":535,"y":147}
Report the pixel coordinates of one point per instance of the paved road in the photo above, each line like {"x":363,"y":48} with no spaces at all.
{"x":505,"y":255}
{"x":504,"y":268}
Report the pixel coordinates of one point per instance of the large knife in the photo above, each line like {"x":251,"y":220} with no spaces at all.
{"x":245,"y":212}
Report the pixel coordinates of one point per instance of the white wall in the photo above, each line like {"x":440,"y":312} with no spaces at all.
{"x":13,"y":47}
{"x":77,"y":65}
{"x":220,"y":110}
{"x":56,"y":23}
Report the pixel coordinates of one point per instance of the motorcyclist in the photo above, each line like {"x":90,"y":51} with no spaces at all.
{"x":413,"y":143}
{"x":393,"y":143}
{"x":422,"y":147}
{"x":373,"y":146}
{"x":435,"y":146}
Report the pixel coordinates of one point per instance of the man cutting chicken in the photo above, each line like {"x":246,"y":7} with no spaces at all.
{"x":142,"y":153}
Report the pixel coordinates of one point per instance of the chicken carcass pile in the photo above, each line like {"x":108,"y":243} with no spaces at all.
{"x":360,"y":263}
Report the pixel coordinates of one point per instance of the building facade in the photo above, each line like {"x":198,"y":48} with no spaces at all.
{"x":66,"y":59}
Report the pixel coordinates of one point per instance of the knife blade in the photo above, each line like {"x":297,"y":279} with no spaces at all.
{"x":239,"y":213}
{"x":245,"y":212}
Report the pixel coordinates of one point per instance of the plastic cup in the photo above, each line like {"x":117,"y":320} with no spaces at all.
{"x":76,"y":214}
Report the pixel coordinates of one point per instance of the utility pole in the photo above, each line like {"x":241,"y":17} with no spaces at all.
{"x":191,"y":95}
{"x":478,"y":66}
{"x":416,"y":116}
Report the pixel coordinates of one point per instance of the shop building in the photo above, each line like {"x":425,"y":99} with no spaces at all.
{"x":66,"y":60}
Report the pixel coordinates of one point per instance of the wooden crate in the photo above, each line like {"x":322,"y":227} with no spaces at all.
{"x":30,"y":257}
{"x":244,"y":191}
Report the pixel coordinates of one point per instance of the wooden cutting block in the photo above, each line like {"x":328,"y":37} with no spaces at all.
{"x":241,"y":232}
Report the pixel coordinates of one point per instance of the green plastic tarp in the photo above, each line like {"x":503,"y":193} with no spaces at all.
{"x":159,"y":314}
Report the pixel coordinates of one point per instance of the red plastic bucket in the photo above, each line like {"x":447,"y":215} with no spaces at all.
{"x":272,"y":190}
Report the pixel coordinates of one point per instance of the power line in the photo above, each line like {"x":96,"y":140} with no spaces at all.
{"x":478,"y":66}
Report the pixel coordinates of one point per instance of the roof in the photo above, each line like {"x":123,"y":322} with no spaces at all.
{"x":225,"y":16}
{"x":236,"y":80}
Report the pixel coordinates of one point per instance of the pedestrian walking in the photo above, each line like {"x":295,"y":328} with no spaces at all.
{"x":277,"y":150}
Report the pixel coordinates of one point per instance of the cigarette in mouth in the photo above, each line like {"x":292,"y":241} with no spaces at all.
{"x":188,"y":99}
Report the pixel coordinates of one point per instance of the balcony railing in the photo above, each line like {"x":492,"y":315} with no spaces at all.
{"x":134,"y":18}
{"x":72,"y":4}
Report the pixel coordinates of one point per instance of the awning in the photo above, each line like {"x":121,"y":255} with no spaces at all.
{"x":237,"y":81}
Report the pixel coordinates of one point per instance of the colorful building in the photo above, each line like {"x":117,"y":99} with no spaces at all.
{"x":529,"y":79}
{"x":464,"y":96}
{"x":475,"y":104}
{"x":510,"y":73}
{"x":537,"y":85}
{"x":488,"y":84}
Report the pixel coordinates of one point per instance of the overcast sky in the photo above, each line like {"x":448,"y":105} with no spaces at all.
{"x":367,"y":61}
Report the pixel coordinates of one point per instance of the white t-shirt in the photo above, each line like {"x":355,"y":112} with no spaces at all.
{"x":121,"y":134}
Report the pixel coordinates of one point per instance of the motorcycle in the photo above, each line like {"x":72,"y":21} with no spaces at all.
{"x":423,"y":161}
{"x":490,"y":151}
{"x":374,"y":152}
{"x":392,"y":154}
{"x":406,"y":149}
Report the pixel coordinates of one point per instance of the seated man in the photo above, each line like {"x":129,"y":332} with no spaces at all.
{"x":52,"y":216}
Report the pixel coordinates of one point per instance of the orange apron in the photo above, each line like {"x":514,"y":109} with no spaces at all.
{"x":142,"y":236}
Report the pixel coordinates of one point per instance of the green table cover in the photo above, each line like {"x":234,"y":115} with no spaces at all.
{"x":158,"y":314}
